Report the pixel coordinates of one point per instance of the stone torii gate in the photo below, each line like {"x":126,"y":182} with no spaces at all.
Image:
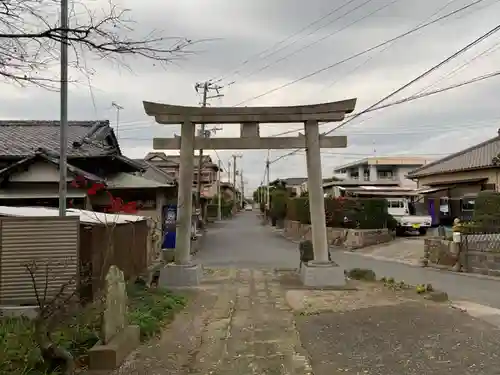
{"x":320,"y":272}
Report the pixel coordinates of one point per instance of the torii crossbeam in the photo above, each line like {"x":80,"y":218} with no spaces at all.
{"x":249,"y":119}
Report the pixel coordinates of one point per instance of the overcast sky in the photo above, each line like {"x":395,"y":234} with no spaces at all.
{"x":246,"y":30}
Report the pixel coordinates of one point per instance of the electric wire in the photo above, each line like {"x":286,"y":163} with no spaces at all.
{"x":283,"y":58}
{"x":364,"y":52}
{"x":279,"y":43}
{"x":423,"y":75}
{"x":344,"y":76}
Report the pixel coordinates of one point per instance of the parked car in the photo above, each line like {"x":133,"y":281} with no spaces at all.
{"x":248,"y":207}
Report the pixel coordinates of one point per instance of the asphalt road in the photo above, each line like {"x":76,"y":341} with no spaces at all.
{"x":244,"y":243}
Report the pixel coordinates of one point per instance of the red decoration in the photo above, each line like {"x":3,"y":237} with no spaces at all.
{"x":117,"y":205}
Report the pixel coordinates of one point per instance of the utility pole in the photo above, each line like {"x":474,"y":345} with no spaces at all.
{"x":118,"y":109}
{"x":235,"y":156}
{"x":242,"y":188}
{"x":63,"y":126}
{"x":219,"y":205}
{"x":206,"y":87}
{"x":229,"y":171}
{"x":267,"y":181}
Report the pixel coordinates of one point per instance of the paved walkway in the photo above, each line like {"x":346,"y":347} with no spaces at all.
{"x":239,"y":322}
{"x":243,"y":242}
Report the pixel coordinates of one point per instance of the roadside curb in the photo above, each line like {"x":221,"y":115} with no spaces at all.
{"x":483,"y":312}
{"x":280,"y":232}
{"x":410,"y":264}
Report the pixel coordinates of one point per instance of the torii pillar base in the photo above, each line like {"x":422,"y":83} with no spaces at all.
{"x":322,"y":275}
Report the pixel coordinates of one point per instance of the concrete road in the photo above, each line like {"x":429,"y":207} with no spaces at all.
{"x":244,"y":243}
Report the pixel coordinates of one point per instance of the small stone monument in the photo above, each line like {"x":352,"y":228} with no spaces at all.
{"x":118,"y":338}
{"x":114,"y":317}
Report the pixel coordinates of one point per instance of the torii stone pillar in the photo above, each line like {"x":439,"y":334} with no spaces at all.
{"x":319,"y":272}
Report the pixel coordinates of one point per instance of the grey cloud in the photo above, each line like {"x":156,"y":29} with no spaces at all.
{"x":242,"y":29}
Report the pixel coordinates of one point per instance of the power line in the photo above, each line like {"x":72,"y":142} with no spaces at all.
{"x":377,"y":106}
{"x":283,"y":58}
{"x":364,"y":52}
{"x":464,"y":65}
{"x":409,"y":99}
{"x":426,"y":73}
{"x":405,"y":130}
{"x":277,"y":44}
{"x":333,"y":83}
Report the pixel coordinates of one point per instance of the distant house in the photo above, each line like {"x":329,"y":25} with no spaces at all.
{"x":170,"y":165}
{"x":294,"y":184}
{"x":373,"y":170}
{"x":356,"y":187}
{"x":451,"y":183}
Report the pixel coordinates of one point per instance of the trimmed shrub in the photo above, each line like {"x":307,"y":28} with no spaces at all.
{"x":298,"y":210}
{"x":212,"y":210}
{"x":362,"y":274}
{"x":345,"y":212}
{"x":278,"y":204}
{"x":487,"y":209}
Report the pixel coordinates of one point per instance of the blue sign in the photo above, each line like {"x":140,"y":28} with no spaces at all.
{"x":169,"y":226}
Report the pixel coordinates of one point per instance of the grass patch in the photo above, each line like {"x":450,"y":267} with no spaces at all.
{"x":150,"y":309}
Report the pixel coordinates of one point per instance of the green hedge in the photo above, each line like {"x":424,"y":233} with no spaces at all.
{"x":368,"y":213}
{"x":487,"y":209}
{"x":278,"y":204}
{"x":226,"y":210}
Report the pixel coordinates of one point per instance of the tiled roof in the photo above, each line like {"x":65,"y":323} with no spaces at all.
{"x":475,"y":157}
{"x":174,"y":160}
{"x":13,"y":168}
{"x":85,"y":138}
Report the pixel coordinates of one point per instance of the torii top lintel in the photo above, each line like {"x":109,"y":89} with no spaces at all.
{"x":175,"y":114}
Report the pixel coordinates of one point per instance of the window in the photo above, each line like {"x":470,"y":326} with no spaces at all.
{"x":468,"y":204}
{"x":396,"y":204}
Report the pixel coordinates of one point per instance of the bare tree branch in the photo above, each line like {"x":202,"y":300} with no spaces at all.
{"x":30,"y":37}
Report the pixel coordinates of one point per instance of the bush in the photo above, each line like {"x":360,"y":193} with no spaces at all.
{"x":362,"y":274}
{"x":227,"y":209}
{"x":279,"y":199}
{"x":487,"y":209}
{"x":298,"y":210}
{"x":360,"y":213}
{"x":150,"y":309}
{"x":212,"y":210}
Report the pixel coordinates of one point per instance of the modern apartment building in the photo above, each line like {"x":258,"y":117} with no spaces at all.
{"x":383,"y":168}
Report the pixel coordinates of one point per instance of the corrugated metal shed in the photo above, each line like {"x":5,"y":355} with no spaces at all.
{"x":49,"y":247}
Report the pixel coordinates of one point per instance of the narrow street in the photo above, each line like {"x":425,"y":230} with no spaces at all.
{"x":246,"y":318}
{"x":244,"y":243}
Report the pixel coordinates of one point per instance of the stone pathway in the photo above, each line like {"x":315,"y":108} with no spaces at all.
{"x":239,"y":323}
{"x":250,"y":315}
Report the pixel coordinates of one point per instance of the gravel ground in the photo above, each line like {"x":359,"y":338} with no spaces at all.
{"x":409,"y":338}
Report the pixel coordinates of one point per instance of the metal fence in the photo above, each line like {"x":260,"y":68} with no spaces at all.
{"x":480,"y":248}
{"x":46,"y":246}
